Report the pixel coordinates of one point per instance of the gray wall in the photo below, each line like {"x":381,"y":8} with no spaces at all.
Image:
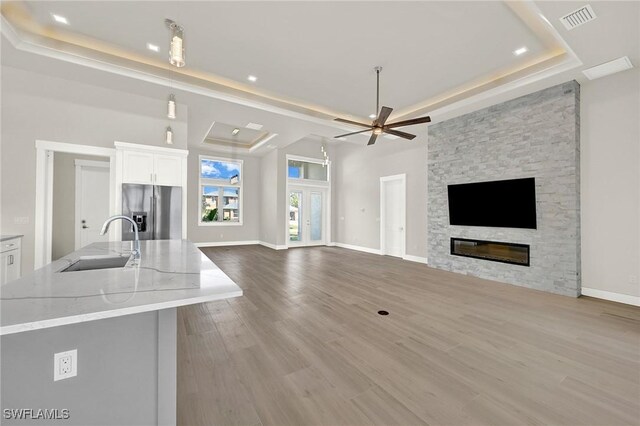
{"x":36,"y":106}
{"x":610,"y":180}
{"x":117,"y":381}
{"x":64,"y":200}
{"x":250,"y":228}
{"x":269,"y":198}
{"x":532,"y":136}
{"x":359,"y":170}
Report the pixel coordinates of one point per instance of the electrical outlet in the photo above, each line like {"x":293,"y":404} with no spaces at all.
{"x":633,"y":279}
{"x":65,"y":365}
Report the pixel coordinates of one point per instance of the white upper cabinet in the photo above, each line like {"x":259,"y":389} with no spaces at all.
{"x":152,"y":166}
{"x":138,"y":167}
{"x":168,"y":170}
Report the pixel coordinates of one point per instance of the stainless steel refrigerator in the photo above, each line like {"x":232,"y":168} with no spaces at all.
{"x":156,"y":209}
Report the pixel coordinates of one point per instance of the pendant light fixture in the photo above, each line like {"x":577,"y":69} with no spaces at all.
{"x":325,"y":161}
{"x":169,"y":136}
{"x":171,"y":107}
{"x":176,"y":44}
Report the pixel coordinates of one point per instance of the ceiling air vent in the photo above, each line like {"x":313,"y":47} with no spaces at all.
{"x":578,"y":17}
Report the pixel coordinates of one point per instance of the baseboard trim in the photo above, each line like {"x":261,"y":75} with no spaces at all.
{"x":609,"y":295}
{"x":227,"y":243}
{"x":413,"y":258}
{"x":272,"y":246}
{"x":358,"y":248}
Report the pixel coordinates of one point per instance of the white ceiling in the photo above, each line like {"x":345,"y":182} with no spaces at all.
{"x":321,"y":53}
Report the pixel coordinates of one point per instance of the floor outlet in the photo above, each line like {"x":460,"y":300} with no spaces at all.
{"x":65,"y":365}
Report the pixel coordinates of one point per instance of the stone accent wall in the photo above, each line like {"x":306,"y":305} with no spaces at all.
{"x":537,"y":135}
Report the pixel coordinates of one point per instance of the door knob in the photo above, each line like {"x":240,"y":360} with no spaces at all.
{"x":401,"y":228}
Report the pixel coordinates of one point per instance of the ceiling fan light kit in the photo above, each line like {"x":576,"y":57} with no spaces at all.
{"x":379,"y":126}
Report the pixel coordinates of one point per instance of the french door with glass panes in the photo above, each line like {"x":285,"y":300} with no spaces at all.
{"x":307,"y":216}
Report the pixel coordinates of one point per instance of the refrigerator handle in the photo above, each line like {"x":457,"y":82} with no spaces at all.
{"x":153,"y":216}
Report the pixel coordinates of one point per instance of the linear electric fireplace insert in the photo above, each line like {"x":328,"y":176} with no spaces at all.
{"x":517,"y":254}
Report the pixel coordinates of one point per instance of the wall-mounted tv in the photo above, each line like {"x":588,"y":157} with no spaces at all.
{"x":501,"y":203}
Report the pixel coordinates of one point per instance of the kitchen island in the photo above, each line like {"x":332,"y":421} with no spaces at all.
{"x":122,"y":322}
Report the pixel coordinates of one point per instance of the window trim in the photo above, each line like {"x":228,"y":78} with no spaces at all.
{"x":220,"y":183}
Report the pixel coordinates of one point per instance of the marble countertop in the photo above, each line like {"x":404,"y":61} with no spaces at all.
{"x":9,"y":237}
{"x":170,"y":273}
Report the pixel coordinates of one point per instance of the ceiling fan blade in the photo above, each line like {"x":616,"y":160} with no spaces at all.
{"x":410,"y":122}
{"x":342,"y":120}
{"x":353,"y":133}
{"x":372,"y":139}
{"x":399,"y":134}
{"x":385,"y":112}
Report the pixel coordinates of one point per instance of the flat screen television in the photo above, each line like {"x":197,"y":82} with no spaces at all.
{"x":501,"y":203}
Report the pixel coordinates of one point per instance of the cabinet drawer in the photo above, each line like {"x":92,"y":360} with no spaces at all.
{"x":12,"y":244}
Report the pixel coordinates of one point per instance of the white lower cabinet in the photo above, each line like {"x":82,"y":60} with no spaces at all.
{"x":10,"y":260}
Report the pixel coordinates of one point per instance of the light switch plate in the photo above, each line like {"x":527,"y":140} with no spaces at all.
{"x":65,"y":365}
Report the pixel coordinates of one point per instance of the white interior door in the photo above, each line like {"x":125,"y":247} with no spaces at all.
{"x":307,"y":216}
{"x":92,"y":201}
{"x":392,"y":216}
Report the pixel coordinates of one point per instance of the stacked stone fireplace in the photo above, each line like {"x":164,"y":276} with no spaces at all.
{"x":532,"y":136}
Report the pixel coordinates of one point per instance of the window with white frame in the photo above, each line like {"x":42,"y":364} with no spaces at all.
{"x":220,"y":191}
{"x":307,"y":170}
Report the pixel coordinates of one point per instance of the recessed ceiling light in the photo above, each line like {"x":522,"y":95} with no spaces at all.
{"x":252,"y":78}
{"x":153,"y":47}
{"x":254,"y":126}
{"x":372,"y":116}
{"x":235,"y":131}
{"x":60,"y":19}
{"x":520,"y":51}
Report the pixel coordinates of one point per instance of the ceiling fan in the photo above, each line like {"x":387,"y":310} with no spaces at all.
{"x":379,"y":126}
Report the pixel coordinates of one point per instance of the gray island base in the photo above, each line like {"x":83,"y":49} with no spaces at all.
{"x":121,"y":321}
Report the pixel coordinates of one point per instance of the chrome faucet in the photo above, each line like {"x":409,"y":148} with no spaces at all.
{"x":136,"y":242}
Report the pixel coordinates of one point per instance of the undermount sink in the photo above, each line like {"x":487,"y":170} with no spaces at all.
{"x":89,"y":263}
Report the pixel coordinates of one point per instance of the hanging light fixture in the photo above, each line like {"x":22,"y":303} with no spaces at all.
{"x":325,"y":161}
{"x":171,"y":107}
{"x":176,"y":44}
{"x":169,"y":136}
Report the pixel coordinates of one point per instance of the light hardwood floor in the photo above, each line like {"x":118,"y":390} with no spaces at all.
{"x":304,"y":346}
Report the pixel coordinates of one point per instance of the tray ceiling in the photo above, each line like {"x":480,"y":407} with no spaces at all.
{"x":312,"y":57}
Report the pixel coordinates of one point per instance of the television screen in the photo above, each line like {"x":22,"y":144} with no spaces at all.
{"x":501,"y":203}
